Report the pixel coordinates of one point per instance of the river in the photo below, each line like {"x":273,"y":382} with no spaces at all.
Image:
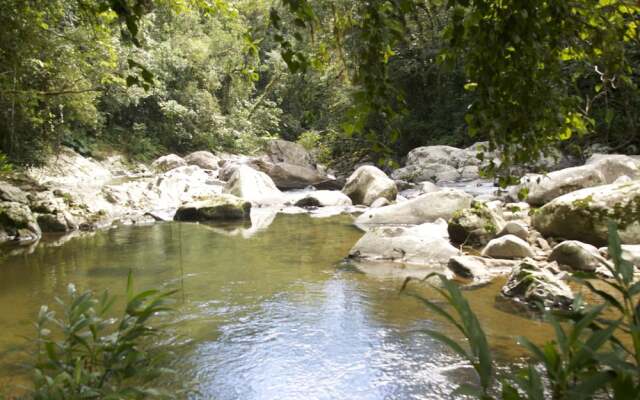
{"x":262,"y":314}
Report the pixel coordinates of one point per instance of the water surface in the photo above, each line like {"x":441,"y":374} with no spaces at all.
{"x":270,"y":314}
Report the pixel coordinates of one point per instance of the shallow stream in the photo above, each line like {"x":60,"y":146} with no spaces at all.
{"x":267,"y":314}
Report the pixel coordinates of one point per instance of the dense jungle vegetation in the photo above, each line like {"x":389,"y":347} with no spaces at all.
{"x":350,"y":78}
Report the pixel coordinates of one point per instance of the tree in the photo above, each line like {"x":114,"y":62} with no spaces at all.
{"x":523,"y":60}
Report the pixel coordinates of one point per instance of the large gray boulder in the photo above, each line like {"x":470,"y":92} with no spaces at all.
{"x":424,"y":244}
{"x":254,"y":186}
{"x":534,"y":284}
{"x":426,"y":208}
{"x":427,"y":172}
{"x":17,"y":223}
{"x":290,"y":176}
{"x":577,"y":256}
{"x":441,"y":164}
{"x":167,"y":163}
{"x":475,"y":226}
{"x":584,"y":215}
{"x":509,"y":246}
{"x":369,"y":183}
{"x":11,"y":193}
{"x":282,"y":151}
{"x":541,"y":189}
{"x":614,"y":166}
{"x":203,"y":159}
{"x":222,"y":207}
{"x":597,"y":171}
{"x":447,"y":155}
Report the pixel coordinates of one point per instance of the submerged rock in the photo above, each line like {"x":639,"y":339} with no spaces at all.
{"x":216,"y":208}
{"x":584,"y":215}
{"x":369,"y":183}
{"x":60,"y":221}
{"x":426,"y":208}
{"x":533,"y":284}
{"x":509,"y":246}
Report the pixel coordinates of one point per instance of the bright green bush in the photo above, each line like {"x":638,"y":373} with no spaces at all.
{"x":83,"y":353}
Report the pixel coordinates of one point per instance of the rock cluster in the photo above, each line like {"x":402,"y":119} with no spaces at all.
{"x":570,"y":208}
{"x":444,"y":219}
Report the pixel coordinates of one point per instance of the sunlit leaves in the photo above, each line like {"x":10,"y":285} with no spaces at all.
{"x":518,"y":53}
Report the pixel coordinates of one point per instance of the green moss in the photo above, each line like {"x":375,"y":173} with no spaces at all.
{"x":491,"y":228}
{"x":583,"y":203}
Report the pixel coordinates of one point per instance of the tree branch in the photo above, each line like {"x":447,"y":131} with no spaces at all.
{"x":54,"y":93}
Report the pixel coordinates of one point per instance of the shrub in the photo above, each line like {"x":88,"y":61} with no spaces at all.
{"x":593,"y":355}
{"x":84,"y":354}
{"x":5,"y":165}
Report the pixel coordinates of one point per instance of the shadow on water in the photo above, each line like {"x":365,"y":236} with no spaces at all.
{"x":264,"y":313}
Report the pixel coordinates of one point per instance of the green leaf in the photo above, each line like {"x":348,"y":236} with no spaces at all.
{"x":452,"y":344}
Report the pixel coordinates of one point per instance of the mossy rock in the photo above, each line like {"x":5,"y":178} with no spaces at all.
{"x":217,"y":208}
{"x":17,"y":222}
{"x":584,"y":215}
{"x":532,"y":284}
{"x":474,"y":226}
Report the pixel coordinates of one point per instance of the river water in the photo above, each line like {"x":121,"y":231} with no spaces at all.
{"x":262,"y":314}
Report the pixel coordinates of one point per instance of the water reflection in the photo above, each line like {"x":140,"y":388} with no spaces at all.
{"x":324,"y":342}
{"x":266,"y":317}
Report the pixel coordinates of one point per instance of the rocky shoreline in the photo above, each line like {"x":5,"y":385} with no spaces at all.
{"x":433,"y":214}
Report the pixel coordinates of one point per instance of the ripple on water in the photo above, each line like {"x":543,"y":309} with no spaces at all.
{"x":321,"y":344}
{"x":261,"y":316}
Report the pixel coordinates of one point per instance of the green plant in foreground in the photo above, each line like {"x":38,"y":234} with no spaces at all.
{"x":595,"y":352}
{"x":84,"y":354}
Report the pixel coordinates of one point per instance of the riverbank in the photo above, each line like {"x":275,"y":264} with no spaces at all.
{"x":433,"y":214}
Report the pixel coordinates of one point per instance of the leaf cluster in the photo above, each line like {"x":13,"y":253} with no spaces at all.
{"x":85,"y":354}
